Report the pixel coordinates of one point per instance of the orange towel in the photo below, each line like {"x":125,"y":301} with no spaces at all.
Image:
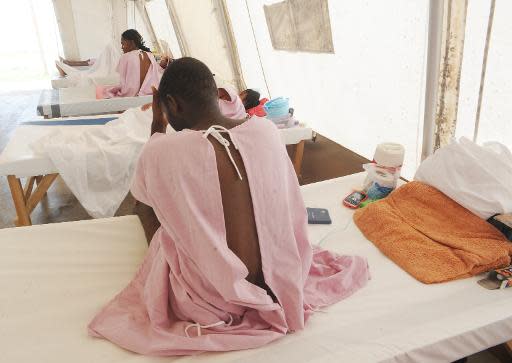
{"x":432,"y":237}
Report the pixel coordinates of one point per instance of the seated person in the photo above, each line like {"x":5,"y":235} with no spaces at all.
{"x":230,"y":265}
{"x":137,"y":68}
{"x":252,"y":103}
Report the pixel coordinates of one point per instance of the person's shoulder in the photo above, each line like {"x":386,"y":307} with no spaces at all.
{"x":170,"y":146}
{"x":262,"y":124}
{"x":158,"y":139}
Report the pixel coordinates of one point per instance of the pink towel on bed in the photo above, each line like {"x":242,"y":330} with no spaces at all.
{"x":191,"y":294}
{"x":129,"y":73}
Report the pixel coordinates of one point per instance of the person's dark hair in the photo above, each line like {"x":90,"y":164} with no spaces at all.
{"x":132,"y":34}
{"x":191,"y":81}
{"x":252,"y":99}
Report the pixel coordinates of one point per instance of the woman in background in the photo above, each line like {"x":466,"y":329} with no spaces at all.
{"x":138,"y":69}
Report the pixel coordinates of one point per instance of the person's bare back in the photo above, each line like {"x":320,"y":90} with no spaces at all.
{"x":145,"y":64}
{"x":241,"y":232}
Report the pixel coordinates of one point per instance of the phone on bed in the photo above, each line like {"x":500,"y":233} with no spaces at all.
{"x":318,"y":216}
{"x":354,"y":200}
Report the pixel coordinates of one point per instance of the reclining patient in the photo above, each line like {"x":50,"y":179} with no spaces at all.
{"x":138,"y":70}
{"x":102,"y":67}
{"x":230,"y":266}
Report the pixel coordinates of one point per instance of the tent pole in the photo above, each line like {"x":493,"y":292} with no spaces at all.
{"x":435,"y":33}
{"x":484,"y":68}
{"x":231,"y":43}
{"x":177,"y":28}
{"x":66,"y":23}
{"x":141,"y":6}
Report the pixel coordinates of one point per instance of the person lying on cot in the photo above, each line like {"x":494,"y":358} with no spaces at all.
{"x":230,"y":104}
{"x":252,"y":103}
{"x":137,"y":68}
{"x":103,"y":66}
{"x":230,"y":265}
{"x":72,"y":63}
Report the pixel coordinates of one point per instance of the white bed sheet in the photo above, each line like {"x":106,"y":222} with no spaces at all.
{"x":81,"y":101}
{"x":54,"y":278}
{"x":63,"y":82}
{"x":18,"y":159}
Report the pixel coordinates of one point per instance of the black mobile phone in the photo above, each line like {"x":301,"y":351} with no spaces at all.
{"x":318,"y":216}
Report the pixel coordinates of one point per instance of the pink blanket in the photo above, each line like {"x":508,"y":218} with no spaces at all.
{"x":191,"y":294}
{"x":232,"y":109}
{"x":129,"y":73}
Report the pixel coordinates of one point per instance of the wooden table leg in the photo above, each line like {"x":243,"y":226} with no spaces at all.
{"x":297,"y":157}
{"x":40,"y":191}
{"x":29,"y":186}
{"x":18,"y":198}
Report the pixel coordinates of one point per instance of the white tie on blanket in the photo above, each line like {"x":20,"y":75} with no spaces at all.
{"x":98,"y":164}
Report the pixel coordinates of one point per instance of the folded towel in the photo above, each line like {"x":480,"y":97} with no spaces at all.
{"x":432,"y":237}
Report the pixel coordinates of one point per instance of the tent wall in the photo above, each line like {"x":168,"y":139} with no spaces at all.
{"x":87,"y":26}
{"x":496,"y":109}
{"x":162,"y":24}
{"x":203,"y":31}
{"x":369,"y":91}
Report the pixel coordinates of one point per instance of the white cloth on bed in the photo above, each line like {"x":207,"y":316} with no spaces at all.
{"x":477,"y":177}
{"x":98,"y":164}
{"x":101,"y":71}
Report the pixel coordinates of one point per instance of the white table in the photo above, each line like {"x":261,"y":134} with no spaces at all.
{"x":54,"y":278}
{"x":81,"y":101}
{"x":19,"y":161}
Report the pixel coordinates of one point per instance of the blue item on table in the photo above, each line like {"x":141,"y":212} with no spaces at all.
{"x":277,"y":107}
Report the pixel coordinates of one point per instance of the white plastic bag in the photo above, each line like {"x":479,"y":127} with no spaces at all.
{"x":380,"y":181}
{"x":477,"y":177}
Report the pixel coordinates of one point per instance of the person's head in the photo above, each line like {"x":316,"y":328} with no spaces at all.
{"x":188,"y":93}
{"x":132,"y":40}
{"x":250,"y":98}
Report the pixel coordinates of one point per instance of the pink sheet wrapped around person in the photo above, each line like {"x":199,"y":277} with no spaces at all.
{"x":138,"y":70}
{"x":230,"y":103}
{"x":230,"y":266}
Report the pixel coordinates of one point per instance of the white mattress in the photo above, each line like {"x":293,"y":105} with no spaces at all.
{"x":54,"y":278}
{"x":18,"y":159}
{"x":81,"y":101}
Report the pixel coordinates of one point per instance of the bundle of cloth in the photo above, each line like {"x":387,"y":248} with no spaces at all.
{"x":435,"y":228}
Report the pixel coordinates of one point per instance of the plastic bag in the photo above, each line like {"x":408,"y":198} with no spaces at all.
{"x":477,"y":177}
{"x":380,"y":181}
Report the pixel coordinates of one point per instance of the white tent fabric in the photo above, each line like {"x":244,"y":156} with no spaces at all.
{"x":370,"y":91}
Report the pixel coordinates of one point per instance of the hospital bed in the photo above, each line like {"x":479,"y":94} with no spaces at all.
{"x":18,"y":161}
{"x":55,"y":278}
{"x":81,"y":101}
